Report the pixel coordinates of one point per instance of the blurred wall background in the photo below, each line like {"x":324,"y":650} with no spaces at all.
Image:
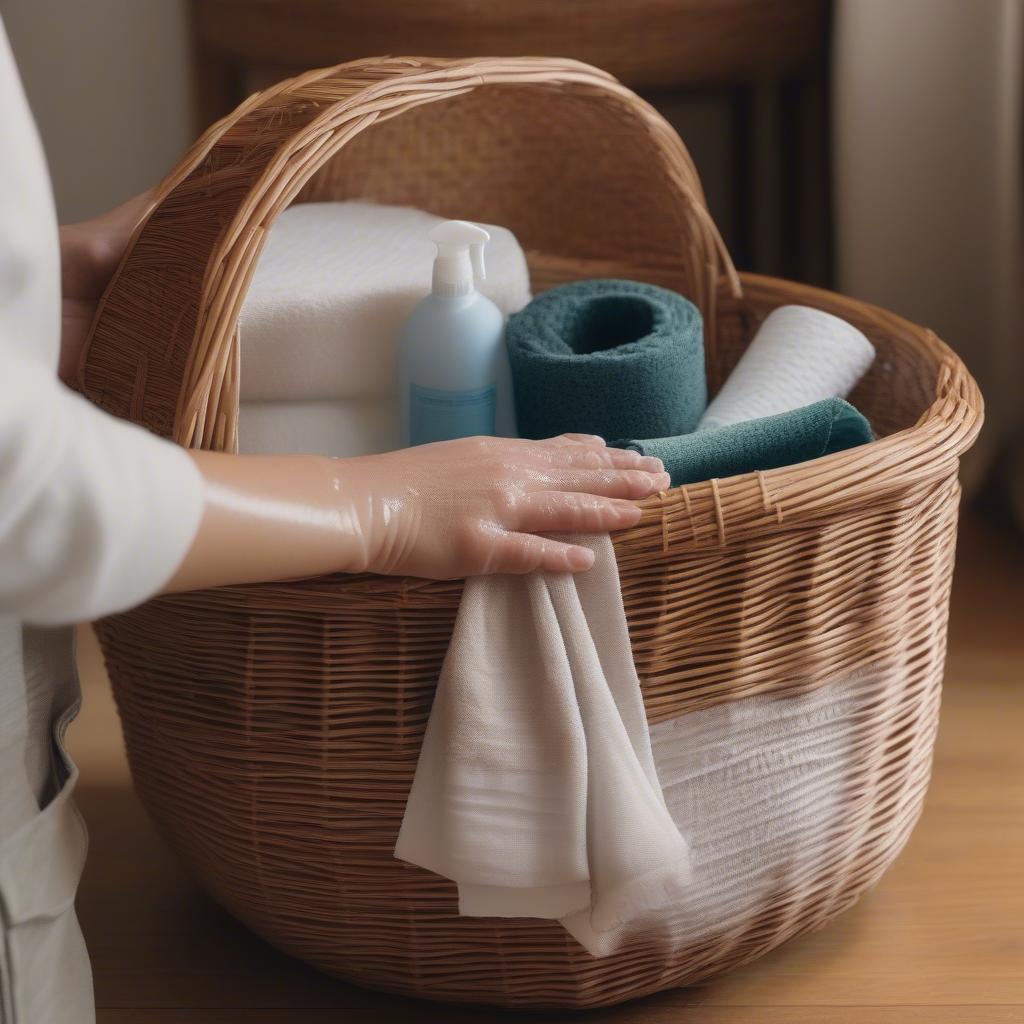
{"x":110,"y":84}
{"x":928,"y":145}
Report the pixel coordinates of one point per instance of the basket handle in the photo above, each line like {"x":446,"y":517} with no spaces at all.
{"x":163,"y":347}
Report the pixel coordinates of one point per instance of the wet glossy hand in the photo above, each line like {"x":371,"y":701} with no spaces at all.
{"x":486,"y":505}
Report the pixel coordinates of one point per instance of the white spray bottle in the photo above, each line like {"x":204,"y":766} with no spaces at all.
{"x":453,"y":372}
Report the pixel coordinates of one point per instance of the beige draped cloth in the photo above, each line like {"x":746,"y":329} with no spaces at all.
{"x":536,"y":789}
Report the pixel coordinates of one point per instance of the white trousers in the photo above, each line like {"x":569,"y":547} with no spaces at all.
{"x":44,"y":968}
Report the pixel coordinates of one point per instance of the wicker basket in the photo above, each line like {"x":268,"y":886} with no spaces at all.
{"x":273,"y":730}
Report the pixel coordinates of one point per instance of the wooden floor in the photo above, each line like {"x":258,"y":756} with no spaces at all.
{"x":940,"y":940}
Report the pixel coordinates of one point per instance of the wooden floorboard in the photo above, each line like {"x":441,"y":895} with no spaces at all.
{"x":941,"y":939}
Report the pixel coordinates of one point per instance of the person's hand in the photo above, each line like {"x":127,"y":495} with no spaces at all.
{"x":487,"y":504}
{"x":444,"y":511}
{"x":89,"y":254}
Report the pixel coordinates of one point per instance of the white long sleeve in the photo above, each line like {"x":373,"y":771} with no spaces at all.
{"x":95,"y":514}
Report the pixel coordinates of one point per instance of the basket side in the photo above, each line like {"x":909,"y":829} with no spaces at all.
{"x":273,"y":734}
{"x":273,"y":730}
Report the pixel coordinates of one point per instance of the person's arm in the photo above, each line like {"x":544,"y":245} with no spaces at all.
{"x":120,"y":514}
{"x":97,"y":515}
{"x":457,"y":508}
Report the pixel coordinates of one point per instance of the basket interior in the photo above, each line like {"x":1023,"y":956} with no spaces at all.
{"x":571,"y":175}
{"x":500,"y":156}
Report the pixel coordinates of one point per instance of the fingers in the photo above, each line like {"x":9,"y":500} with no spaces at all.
{"x":519,"y":553}
{"x":583,"y":451}
{"x":560,"y":512}
{"x":585,"y":457}
{"x":592,"y":454}
{"x":573,"y":439}
{"x":611,"y":483}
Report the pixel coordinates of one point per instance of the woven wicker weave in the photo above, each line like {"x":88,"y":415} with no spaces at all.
{"x":273,"y":730}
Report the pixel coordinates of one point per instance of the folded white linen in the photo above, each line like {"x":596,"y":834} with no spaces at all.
{"x":338,"y":427}
{"x":536,"y":790}
{"x":760,"y":785}
{"x":332,"y":290}
{"x":799,"y":356}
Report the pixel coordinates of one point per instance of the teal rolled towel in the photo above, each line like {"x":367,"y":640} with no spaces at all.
{"x":767,"y":443}
{"x":615,"y":358}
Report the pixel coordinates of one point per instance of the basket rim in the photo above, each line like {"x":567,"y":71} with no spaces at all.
{"x":717,"y":511}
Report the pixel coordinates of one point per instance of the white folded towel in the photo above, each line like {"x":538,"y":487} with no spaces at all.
{"x":762,"y":784}
{"x":536,"y":790}
{"x":799,"y":356}
{"x":337,"y":427}
{"x":332,"y":289}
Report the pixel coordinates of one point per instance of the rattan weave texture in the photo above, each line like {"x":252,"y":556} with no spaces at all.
{"x":273,"y":730}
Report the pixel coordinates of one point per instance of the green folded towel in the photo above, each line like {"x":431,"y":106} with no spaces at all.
{"x":615,"y":358}
{"x":767,"y":443}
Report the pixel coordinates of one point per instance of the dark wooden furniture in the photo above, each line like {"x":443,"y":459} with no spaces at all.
{"x":757,"y":68}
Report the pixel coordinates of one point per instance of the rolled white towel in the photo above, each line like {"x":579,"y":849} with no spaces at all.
{"x":332,"y":289}
{"x":799,"y":356}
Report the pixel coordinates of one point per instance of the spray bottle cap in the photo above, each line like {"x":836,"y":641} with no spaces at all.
{"x":460,"y":254}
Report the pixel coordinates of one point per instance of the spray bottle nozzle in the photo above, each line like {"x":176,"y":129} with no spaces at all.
{"x":476,"y":255}
{"x":460,"y":255}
